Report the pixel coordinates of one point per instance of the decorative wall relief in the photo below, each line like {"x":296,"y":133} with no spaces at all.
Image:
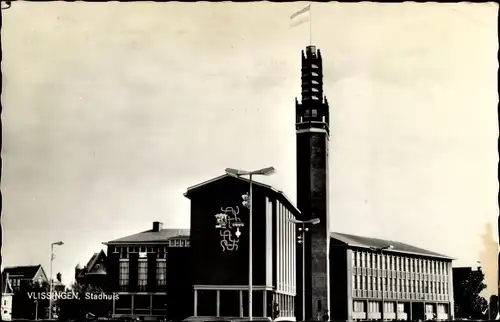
{"x":229,"y":223}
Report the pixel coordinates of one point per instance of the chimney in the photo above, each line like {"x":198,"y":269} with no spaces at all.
{"x":157,"y":226}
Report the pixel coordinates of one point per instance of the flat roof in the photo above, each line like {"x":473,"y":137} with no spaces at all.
{"x":398,"y":247}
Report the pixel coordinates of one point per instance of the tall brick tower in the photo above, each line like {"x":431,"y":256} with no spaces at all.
{"x":312,"y":128}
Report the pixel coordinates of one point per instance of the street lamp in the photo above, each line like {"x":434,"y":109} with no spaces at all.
{"x":248,"y":203}
{"x":302,"y":240}
{"x":59,"y":243}
{"x":381,"y":251}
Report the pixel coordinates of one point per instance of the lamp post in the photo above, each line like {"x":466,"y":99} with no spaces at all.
{"x":381,"y":251}
{"x":302,"y":240}
{"x":59,"y":243}
{"x":238,"y":173}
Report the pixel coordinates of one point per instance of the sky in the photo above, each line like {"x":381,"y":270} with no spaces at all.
{"x":112,"y":110}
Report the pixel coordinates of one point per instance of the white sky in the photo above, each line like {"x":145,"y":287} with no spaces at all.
{"x":111,"y":110}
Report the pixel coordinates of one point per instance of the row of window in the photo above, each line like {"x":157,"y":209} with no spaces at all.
{"x":390,"y":307}
{"x":142,"y":273}
{"x":373,"y":283}
{"x":398,"y":263}
{"x":161,"y":251}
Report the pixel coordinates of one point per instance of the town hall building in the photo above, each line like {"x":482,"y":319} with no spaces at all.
{"x":298,"y":268}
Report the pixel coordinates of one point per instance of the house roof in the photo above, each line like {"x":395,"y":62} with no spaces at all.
{"x":94,"y":260}
{"x":93,"y":266}
{"x":150,"y":236}
{"x":24,"y":272}
{"x":98,"y":270}
{"x":398,"y":247}
{"x":279,"y":193}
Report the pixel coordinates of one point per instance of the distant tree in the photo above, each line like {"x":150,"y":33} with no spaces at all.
{"x":468,"y":302}
{"x":26,"y":300}
{"x":72,"y":308}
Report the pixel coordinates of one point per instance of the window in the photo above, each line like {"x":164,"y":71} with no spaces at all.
{"x":353,"y":259}
{"x":161,"y":270}
{"x":358,"y":259}
{"x":392,"y":262}
{"x":358,"y":306}
{"x":358,"y":282}
{"x":383,"y":262}
{"x":314,"y":113}
{"x":363,"y":259}
{"x":373,"y":307}
{"x":124,"y":274}
{"x":401,"y":307}
{"x":123,"y":252}
{"x":142,"y":272}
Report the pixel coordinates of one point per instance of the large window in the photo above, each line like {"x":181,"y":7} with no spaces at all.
{"x":230,"y":303}
{"x":161,"y":270}
{"x":358,"y":306}
{"x":124,"y":275}
{"x":142,"y":271}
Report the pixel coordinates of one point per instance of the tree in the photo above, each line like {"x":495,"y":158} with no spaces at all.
{"x":26,"y":300}
{"x":468,"y":302}
{"x":493,"y":307}
{"x":72,"y":308}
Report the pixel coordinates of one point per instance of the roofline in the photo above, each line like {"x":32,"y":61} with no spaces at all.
{"x":143,"y":242}
{"x":400,"y":251}
{"x":43,"y":271}
{"x":263,"y":185}
{"x":24,"y":276}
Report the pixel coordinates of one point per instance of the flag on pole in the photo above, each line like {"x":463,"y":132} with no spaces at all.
{"x":301,"y":16}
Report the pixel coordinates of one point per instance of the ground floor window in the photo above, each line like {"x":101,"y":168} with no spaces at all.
{"x":159,"y":304}
{"x":373,"y":307}
{"x":234,"y":303}
{"x":358,"y":306}
{"x":442,"y":309}
{"x":142,"y":304}
{"x":123,"y":305}
{"x":286,"y":304}
{"x":207,"y":303}
{"x":257,"y":303}
{"x":229,"y":303}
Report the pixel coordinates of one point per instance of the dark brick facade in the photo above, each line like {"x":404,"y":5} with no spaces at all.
{"x":312,"y":184}
{"x":226,"y":267}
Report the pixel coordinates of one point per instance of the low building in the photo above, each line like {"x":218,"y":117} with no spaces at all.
{"x":368,"y":275}
{"x":24,"y":275}
{"x":7,"y":295}
{"x":220,"y":246}
{"x":93,"y":274}
{"x":150,"y":272}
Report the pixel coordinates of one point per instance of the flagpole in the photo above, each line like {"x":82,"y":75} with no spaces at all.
{"x":310,"y":24}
